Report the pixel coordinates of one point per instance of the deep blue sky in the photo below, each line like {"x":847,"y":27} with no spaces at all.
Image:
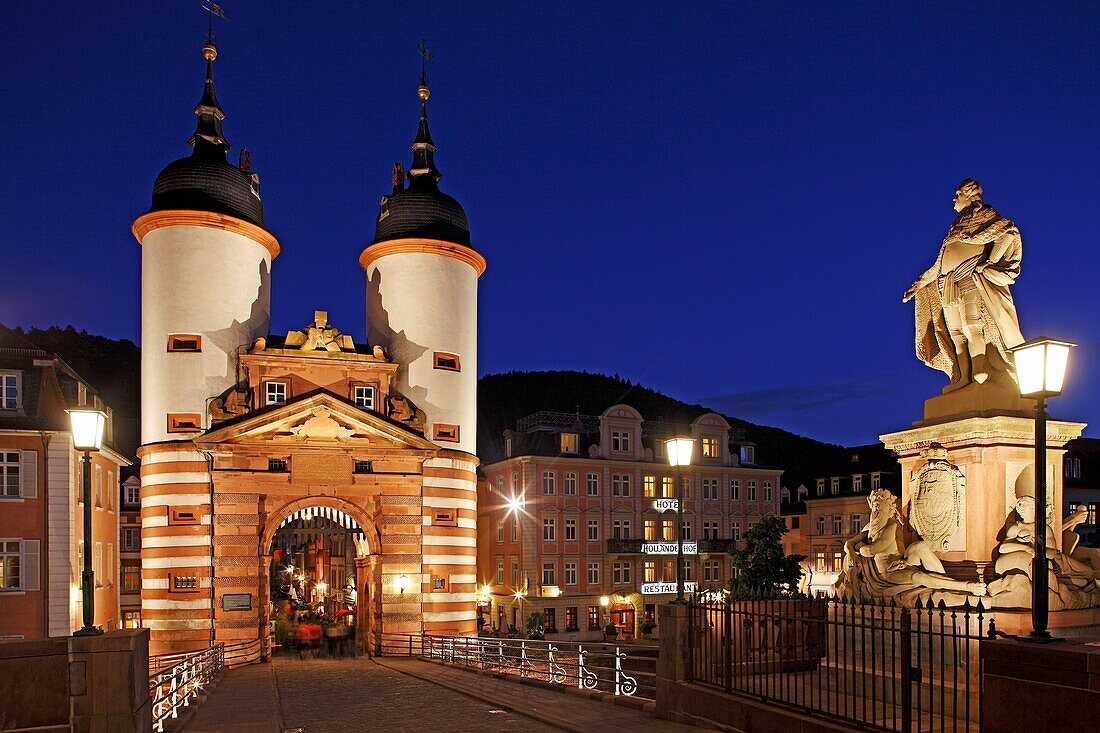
{"x":724,"y":203}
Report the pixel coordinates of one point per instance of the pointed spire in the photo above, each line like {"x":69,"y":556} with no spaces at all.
{"x":423,"y":173}
{"x":209,"y":138}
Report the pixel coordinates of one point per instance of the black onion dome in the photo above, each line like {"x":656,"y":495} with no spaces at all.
{"x":421,"y":211}
{"x":421,"y":214}
{"x":208,"y":184}
{"x":206,"y":181}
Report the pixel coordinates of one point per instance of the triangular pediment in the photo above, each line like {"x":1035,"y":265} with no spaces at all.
{"x":318,"y":419}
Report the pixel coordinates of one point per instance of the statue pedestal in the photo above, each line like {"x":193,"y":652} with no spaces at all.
{"x":995,"y":398}
{"x":996,"y":454}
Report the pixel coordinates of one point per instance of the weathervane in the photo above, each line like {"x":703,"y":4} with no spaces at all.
{"x":426,"y":58}
{"x":213,"y":9}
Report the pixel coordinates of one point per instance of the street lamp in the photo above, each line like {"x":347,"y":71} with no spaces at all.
{"x":1040,"y":370}
{"x":679,"y":456}
{"x":87,"y":429}
{"x":402,"y":583}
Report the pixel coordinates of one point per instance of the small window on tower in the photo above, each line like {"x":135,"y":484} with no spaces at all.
{"x":182,"y":516}
{"x":184,"y":422}
{"x":444,"y":518}
{"x":183,"y":583}
{"x":276,"y":465}
{"x":363,"y":396}
{"x":443,"y":360}
{"x":274,"y":393}
{"x":446,"y":433}
{"x":184,"y":342}
{"x":362,"y":467}
{"x":439,"y":583}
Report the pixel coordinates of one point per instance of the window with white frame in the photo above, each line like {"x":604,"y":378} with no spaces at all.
{"x":593,"y":530}
{"x":735,"y":531}
{"x":620,"y":573}
{"x":515,"y":530}
{"x":748,"y":454}
{"x":570,"y":530}
{"x":131,"y":539}
{"x":821,"y":525}
{"x":710,"y":530}
{"x":834,"y":485}
{"x":500,"y":533}
{"x":363,"y":396}
{"x":667,"y":490}
{"x":110,"y":564}
{"x":711,"y":573}
{"x":876,"y":481}
{"x":668,"y":530}
{"x":515,"y":572}
{"x":593,"y":573}
{"x":710,"y":448}
{"x":649,"y":571}
{"x":593,"y":484}
{"x":688,"y":574}
{"x":685,"y":487}
{"x":548,"y":574}
{"x":274,"y":393}
{"x":570,"y":573}
{"x":649,"y":486}
{"x":713,"y":489}
{"x":500,"y":572}
{"x":97,"y":483}
{"x":620,"y":441}
{"x":735,"y":490}
{"x":620,"y":484}
{"x":548,"y":482}
{"x":750,"y":490}
{"x":549,"y":529}
{"x":568,"y":442}
{"x":856,"y":525}
{"x":515,"y":482}
{"x":9,"y":474}
{"x":620,"y":529}
{"x":9,"y":391}
{"x":97,"y":564}
{"x":133,"y":494}
{"x":857,"y":482}
{"x":767,"y":491}
{"x":838,"y":524}
{"x":1071,"y":467}
{"x":569,"y":481}
{"x":821,"y":487}
{"x":687,"y":530}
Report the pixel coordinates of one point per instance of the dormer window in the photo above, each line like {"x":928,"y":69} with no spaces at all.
{"x":821,"y":487}
{"x":834,"y":485}
{"x":620,"y":441}
{"x":876,"y":481}
{"x":857,"y":482}
{"x":9,"y":391}
{"x":508,"y":447}
{"x":274,"y":393}
{"x":568,"y":442}
{"x":710,"y":448}
{"x":748,"y":454}
{"x":363,"y":396}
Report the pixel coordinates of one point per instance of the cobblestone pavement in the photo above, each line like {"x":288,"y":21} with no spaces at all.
{"x":349,"y":695}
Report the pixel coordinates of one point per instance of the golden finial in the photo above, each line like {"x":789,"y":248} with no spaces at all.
{"x":209,"y":52}
{"x":422,"y":91}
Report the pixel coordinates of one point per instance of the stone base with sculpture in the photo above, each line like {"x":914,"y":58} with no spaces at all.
{"x":963,"y":532}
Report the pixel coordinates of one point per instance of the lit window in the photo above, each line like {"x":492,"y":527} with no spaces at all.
{"x":97,"y":565}
{"x":569,"y":479}
{"x":820,"y":561}
{"x":649,"y":485}
{"x":274,"y":393}
{"x":649,"y":529}
{"x":568,"y":442}
{"x":649,"y":571}
{"x":666,"y":487}
{"x":363,"y":397}
{"x":710,"y":448}
{"x":10,"y":557}
{"x":9,"y":391}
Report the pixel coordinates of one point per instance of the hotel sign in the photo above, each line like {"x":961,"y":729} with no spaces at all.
{"x":652,"y":589}
{"x":668,"y":548}
{"x":665,"y":505}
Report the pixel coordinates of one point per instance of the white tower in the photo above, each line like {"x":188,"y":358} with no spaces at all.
{"x":205,"y":277}
{"x":422,"y":295}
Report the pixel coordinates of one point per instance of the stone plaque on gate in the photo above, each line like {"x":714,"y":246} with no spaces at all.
{"x":237,"y":602}
{"x":320,"y":469}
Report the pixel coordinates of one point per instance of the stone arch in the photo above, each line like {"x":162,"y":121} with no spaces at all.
{"x":356,"y":512}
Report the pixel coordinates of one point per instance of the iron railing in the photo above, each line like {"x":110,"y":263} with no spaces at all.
{"x":884,"y":668}
{"x":617,"y":670}
{"x":179,"y":678}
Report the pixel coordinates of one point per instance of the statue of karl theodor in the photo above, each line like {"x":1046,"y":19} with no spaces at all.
{"x":965,"y":318}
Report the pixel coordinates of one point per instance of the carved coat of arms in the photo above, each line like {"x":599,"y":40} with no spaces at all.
{"x":936,"y":499}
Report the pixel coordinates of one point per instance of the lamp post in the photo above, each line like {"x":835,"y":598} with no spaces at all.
{"x":87,"y":429}
{"x":679,"y":456}
{"x":1040,"y":370}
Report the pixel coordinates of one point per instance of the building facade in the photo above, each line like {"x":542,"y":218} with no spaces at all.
{"x":255,"y":446}
{"x":1081,"y":487}
{"x":129,"y":553}
{"x":569,"y":523}
{"x":830,"y":507}
{"x":41,"y":499}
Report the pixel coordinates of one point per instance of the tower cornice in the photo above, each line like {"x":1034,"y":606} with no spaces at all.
{"x":209,"y":219}
{"x":426,"y":246}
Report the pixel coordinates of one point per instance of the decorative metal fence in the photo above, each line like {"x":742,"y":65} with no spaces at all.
{"x":178,"y":678}
{"x":617,"y":670}
{"x":887,"y":668}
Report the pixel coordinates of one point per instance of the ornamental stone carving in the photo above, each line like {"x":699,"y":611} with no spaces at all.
{"x":937,"y":499}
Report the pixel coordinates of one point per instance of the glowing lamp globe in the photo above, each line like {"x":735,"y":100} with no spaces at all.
{"x":1041,"y":366}
{"x":679,"y":451}
{"x":402,"y":583}
{"x":87,"y":428}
